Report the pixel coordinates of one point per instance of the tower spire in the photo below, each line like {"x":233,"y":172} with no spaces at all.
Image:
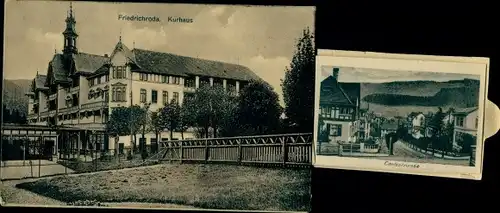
{"x":70,"y":9}
{"x":69,"y":33}
{"x":120,"y":38}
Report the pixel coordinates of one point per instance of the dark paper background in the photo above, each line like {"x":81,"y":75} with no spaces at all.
{"x":434,"y":28}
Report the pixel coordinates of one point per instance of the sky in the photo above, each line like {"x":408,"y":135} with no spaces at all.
{"x":261,"y":38}
{"x":348,"y":74}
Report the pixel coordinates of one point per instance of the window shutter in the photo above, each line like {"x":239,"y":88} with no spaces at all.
{"x":328,"y":129}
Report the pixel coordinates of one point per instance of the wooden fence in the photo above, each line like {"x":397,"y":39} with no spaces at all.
{"x":284,"y":150}
{"x":473,"y":155}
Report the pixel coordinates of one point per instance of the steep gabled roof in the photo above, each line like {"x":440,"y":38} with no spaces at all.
{"x":120,"y":47}
{"x":332,"y":92}
{"x":39,"y":82}
{"x":57,"y":69}
{"x":88,"y":63}
{"x":82,"y":62}
{"x":171,"y":64}
{"x":465,"y":111}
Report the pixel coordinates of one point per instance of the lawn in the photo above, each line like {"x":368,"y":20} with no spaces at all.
{"x":209,"y":186}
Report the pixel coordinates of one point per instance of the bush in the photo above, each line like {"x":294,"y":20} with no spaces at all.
{"x":323,"y":136}
{"x":129,"y":155}
{"x":466,"y":143}
{"x":144,"y":154}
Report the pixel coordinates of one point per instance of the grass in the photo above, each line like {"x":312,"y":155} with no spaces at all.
{"x":210,"y":186}
{"x":79,"y":166}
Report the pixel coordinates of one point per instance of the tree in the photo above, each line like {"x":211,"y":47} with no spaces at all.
{"x":6,"y":114}
{"x":145,"y":125}
{"x":209,"y":107}
{"x":322,"y":132}
{"x":156,"y":124}
{"x":437,"y":125}
{"x":258,"y":108}
{"x":298,"y":84}
{"x":136,"y":120}
{"x":170,"y":116}
{"x":118,"y":124}
{"x":186,"y":117}
{"x":466,"y":142}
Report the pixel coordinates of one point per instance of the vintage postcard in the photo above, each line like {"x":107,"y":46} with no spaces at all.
{"x":135,"y":105}
{"x":409,"y":114}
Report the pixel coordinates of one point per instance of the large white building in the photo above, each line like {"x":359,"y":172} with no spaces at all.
{"x":81,"y":89}
{"x":466,"y":122}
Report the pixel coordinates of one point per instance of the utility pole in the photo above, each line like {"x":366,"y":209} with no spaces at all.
{"x":130,"y":111}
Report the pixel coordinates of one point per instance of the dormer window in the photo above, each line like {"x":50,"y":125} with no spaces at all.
{"x":119,"y":72}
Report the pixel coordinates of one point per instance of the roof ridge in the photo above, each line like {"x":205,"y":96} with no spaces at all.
{"x":190,"y":57}
{"x":92,"y":54}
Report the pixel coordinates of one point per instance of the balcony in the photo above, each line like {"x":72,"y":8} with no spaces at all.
{"x":74,"y":89}
{"x":95,"y":105}
{"x":32,"y":116}
{"x":44,"y":114}
{"x":53,"y":96}
{"x":72,"y":109}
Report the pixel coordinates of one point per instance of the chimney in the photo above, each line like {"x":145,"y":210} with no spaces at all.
{"x":106,"y":55}
{"x":335,"y":72}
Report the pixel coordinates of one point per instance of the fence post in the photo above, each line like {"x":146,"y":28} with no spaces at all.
{"x":285,"y":152}
{"x":181,"y":152}
{"x":240,"y":152}
{"x":206,"y":151}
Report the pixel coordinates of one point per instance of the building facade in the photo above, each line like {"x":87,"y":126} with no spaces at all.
{"x":81,"y":89}
{"x":466,"y":123}
{"x":340,"y":110}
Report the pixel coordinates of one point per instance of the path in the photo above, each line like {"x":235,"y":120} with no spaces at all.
{"x":404,"y":153}
{"x":16,"y":170}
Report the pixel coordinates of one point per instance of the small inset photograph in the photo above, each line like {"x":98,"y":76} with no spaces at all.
{"x":412,"y":119}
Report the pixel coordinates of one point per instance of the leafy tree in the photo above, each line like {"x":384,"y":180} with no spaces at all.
{"x":466,"y":142}
{"x":437,"y":125}
{"x":298,"y":84}
{"x":136,"y":120}
{"x":170,"y":116}
{"x":209,"y":108}
{"x":322,"y":132}
{"x":221,"y":106}
{"x":186,"y":117}
{"x":258,"y":108}
{"x":6,"y":114}
{"x":118,"y":124}
{"x":156,"y":124}
{"x":145,"y":125}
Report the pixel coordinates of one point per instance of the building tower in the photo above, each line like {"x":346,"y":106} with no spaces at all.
{"x":70,"y":34}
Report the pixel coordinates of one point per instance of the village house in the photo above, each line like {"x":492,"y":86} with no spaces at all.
{"x":418,"y":125}
{"x":388,"y":127}
{"x":466,"y":122}
{"x":340,"y":110}
{"x":81,"y":89}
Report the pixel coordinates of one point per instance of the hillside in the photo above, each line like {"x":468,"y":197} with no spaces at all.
{"x":14,"y":94}
{"x":400,"y":98}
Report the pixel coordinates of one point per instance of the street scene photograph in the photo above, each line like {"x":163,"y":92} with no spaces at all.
{"x":400,"y":116}
{"x":175,"y":106}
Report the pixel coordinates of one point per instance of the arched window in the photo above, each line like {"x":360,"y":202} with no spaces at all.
{"x":113,"y":94}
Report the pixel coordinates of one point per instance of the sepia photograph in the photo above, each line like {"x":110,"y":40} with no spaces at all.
{"x":411,"y":117}
{"x":172,"y":106}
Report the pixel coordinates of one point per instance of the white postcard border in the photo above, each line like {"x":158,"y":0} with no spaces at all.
{"x":401,"y":62}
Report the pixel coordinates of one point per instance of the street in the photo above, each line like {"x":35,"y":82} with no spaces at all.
{"x":404,"y":153}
